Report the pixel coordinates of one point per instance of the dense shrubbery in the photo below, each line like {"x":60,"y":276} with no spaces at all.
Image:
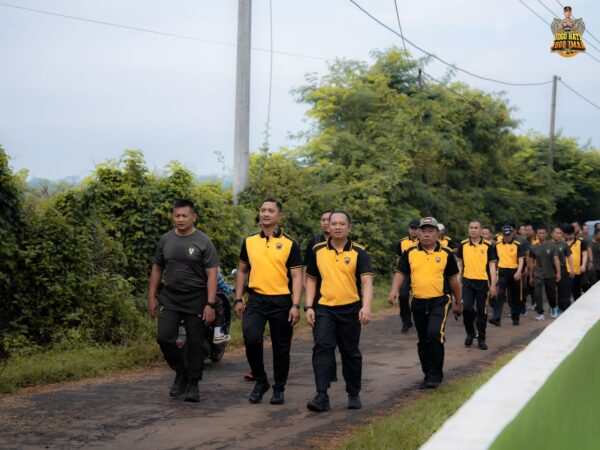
{"x":74,"y":260}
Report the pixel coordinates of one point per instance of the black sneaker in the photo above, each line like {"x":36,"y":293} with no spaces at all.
{"x":423,"y":384}
{"x":277,"y":398}
{"x":469,"y":340}
{"x":516,"y":322}
{"x":405,"y":328}
{"x":259,"y":390}
{"x":354,"y":402}
{"x":178,"y":388}
{"x":191,"y":393}
{"x":433,"y":384}
{"x":481,"y":344}
{"x":320,"y":403}
{"x":494,"y":321}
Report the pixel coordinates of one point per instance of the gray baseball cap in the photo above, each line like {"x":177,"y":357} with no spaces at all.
{"x":428,"y":222}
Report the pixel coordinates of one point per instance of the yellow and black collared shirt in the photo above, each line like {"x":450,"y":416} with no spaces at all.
{"x":428,"y":271}
{"x":404,"y":244}
{"x":269,"y":259}
{"x":476,"y":258}
{"x":578,"y":246}
{"x":338,"y":272}
{"x":448,"y":242}
{"x":509,"y":254}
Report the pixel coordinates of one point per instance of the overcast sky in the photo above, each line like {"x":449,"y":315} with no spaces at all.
{"x":74,"y":93}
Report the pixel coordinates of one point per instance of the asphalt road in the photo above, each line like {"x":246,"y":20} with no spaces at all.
{"x":134,"y":410}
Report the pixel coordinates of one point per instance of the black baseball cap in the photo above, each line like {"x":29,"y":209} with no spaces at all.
{"x":506,"y":230}
{"x":413,"y":224}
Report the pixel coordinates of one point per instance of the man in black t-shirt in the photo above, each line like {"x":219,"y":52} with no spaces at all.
{"x":187,"y":261}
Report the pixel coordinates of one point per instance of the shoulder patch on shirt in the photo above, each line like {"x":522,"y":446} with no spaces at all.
{"x":358,"y":246}
{"x":447,"y":250}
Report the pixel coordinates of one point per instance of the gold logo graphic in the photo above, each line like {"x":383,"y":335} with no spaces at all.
{"x":347,"y":260}
{"x":279,"y":246}
{"x":438,"y":260}
{"x":567,"y":35}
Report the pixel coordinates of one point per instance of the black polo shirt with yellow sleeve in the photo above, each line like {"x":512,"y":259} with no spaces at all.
{"x":338,"y":272}
{"x":269,"y":259}
{"x":509,"y":254}
{"x":476,"y":258}
{"x":428,"y":271}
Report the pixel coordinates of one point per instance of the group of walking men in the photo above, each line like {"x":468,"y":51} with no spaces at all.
{"x":337,"y":278}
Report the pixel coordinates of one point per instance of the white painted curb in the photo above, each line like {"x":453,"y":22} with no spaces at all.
{"x":477,"y":423}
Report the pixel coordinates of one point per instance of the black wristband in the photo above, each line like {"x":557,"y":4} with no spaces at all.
{"x":238,"y":300}
{"x":306,"y":308}
{"x":212,"y":305}
{"x":296,"y":305}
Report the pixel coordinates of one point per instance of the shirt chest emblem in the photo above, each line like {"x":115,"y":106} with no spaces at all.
{"x":482,"y":251}
{"x":347,"y":260}
{"x":191,"y":250}
{"x":279,"y":246}
{"x":438,"y":259}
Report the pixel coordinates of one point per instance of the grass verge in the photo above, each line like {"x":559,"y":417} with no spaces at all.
{"x":57,"y":365}
{"x":411,"y":427}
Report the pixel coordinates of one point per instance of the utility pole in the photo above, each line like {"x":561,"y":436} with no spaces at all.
{"x":420,"y":80}
{"x":552,"y":120}
{"x":242,"y":99}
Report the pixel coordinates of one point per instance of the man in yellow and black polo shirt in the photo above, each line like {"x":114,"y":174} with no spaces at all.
{"x":405,"y":243}
{"x":579,"y":255}
{"x":511,"y":257}
{"x":446,"y":241}
{"x":475,"y":256}
{"x":342,"y":267}
{"x":267,"y":261}
{"x":433,"y":273}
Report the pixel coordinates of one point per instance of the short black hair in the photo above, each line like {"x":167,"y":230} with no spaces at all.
{"x":476,"y":220}
{"x":567,"y":8}
{"x":183,"y":203}
{"x":338,"y":211}
{"x":273,"y":200}
{"x":486,"y":227}
{"x":327,"y":211}
{"x":568,"y":228}
{"x":541,"y":227}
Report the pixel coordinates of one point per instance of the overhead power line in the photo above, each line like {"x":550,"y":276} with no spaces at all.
{"x":583,"y":97}
{"x":161,"y":33}
{"x":400,"y":26}
{"x":493,"y":80}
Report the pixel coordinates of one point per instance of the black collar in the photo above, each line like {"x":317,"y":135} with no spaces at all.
{"x":475,"y":245}
{"x":347,"y":247}
{"x":276,"y":233}
{"x":437,"y":248}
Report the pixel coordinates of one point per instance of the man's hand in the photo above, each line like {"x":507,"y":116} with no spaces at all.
{"x":208,"y":315}
{"x":531,"y":281}
{"x":238,"y":309}
{"x":582,"y":268}
{"x":364,"y":315}
{"x":393,"y":298}
{"x":458,"y":308}
{"x":152,"y":307}
{"x":517,"y":276}
{"x":294,"y":315}
{"x":558,"y":277}
{"x":493,"y":290}
{"x":310,"y":317}
{"x":572,"y":274}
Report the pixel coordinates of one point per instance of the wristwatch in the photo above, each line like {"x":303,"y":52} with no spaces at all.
{"x":238,"y":300}
{"x":296,"y":305}
{"x":212,"y":305}
{"x":306,"y":308}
